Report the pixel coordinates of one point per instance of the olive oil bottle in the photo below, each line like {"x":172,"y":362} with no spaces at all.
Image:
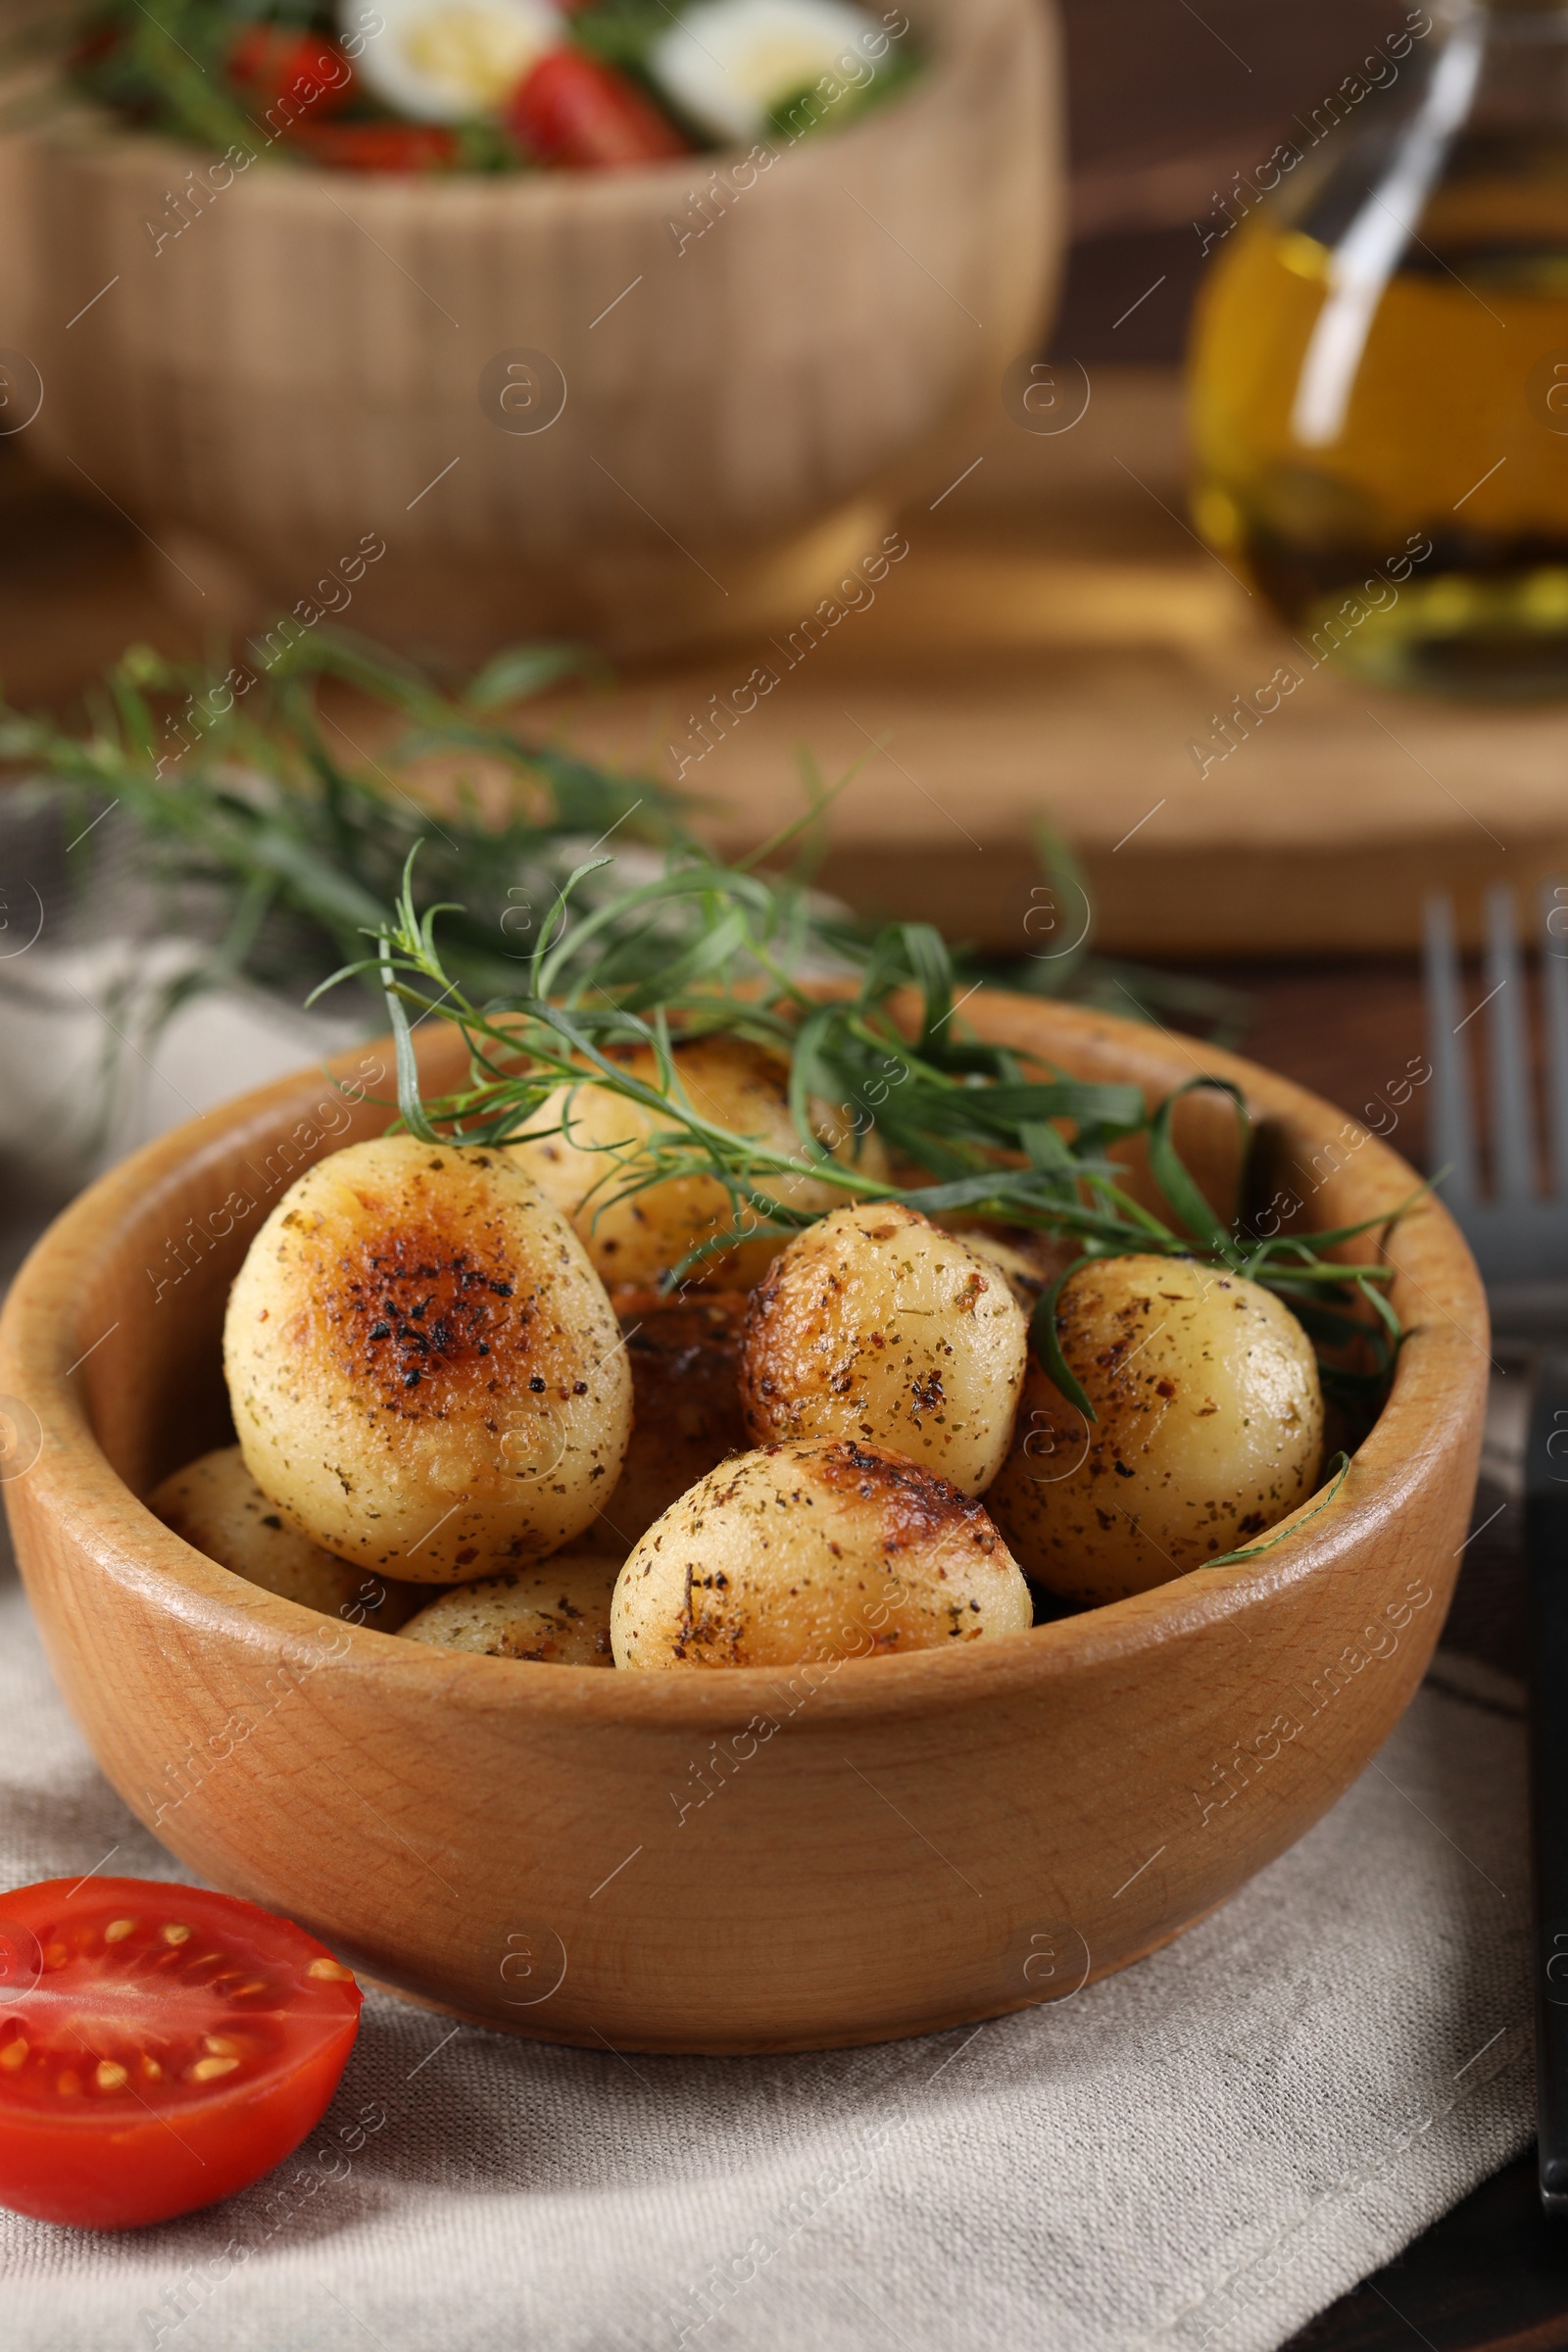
{"x":1379,"y":375}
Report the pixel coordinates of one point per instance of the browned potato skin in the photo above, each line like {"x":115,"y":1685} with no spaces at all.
{"x":218,"y":1507}
{"x":554,"y":1613}
{"x":819,"y":1551}
{"x":686,"y":1405}
{"x":638,"y":1241}
{"x":426,"y":1373}
{"x":1209,"y":1429}
{"x":877,"y":1325}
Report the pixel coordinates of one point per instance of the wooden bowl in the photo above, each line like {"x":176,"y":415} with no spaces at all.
{"x":718,"y":1861}
{"x":756,"y":364}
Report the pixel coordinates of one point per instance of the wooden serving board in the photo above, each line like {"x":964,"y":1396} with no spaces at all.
{"x":1056,"y":644}
{"x":1052,"y":645}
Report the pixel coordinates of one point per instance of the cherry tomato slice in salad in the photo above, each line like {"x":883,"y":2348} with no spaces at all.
{"x":571,"y":110}
{"x":377,"y":146}
{"x":160,"y":2047}
{"x":269,"y":63}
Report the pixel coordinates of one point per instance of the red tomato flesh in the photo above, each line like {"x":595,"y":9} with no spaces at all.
{"x":570,"y":110}
{"x":377,"y":146}
{"x":267,"y":62}
{"x":160,"y":2047}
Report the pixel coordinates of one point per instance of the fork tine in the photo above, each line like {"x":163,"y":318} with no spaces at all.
{"x":1554,"y":988}
{"x":1452,"y":1118}
{"x":1513,"y":1139}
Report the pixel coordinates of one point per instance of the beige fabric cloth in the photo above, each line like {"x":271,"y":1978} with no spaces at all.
{"x":1201,"y":2152}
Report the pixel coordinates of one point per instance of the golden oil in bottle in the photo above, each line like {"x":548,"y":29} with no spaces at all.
{"x":1379,"y":375}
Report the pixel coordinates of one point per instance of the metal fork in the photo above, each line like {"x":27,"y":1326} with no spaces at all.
{"x":1519,"y":1235}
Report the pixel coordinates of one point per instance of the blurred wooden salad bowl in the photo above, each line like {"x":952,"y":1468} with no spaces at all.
{"x":645,"y":406}
{"x":743,"y":1860}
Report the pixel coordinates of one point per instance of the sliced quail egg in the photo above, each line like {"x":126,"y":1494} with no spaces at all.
{"x":451,"y":61}
{"x":729,"y":63}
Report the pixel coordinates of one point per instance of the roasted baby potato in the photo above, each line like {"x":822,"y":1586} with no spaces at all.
{"x":824,"y":1549}
{"x":555,"y":1612}
{"x":876,"y":1325}
{"x":686,"y":1405}
{"x":218,"y":1507}
{"x":1209,"y":1429}
{"x":426,"y":1373}
{"x":635,"y":1241}
{"x":1031,"y":1261}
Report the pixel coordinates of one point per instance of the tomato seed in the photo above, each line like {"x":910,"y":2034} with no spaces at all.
{"x":174,"y":1933}
{"x":333,"y":1969}
{"x":111,"y":2076}
{"x":13,"y":2054}
{"x":208,"y":2069}
{"x":69,"y":2084}
{"x":118,"y":1929}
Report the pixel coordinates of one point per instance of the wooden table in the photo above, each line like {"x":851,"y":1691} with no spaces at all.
{"x":1493,"y":2276}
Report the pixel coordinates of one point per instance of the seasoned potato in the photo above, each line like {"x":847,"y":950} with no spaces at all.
{"x":556,"y":1612}
{"x":1031,"y":1261}
{"x":216,"y":1505}
{"x":821,"y":1549}
{"x":636,"y":1241}
{"x":425,"y":1372}
{"x":874,"y":1324}
{"x":686,"y":1405}
{"x":1209,"y":1429}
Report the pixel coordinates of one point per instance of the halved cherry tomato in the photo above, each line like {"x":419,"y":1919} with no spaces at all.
{"x":569,"y":109}
{"x":377,"y":146}
{"x":267,"y":63}
{"x":160,"y":2047}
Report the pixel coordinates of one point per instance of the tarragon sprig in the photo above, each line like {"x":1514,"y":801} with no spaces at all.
{"x":966,"y":1125}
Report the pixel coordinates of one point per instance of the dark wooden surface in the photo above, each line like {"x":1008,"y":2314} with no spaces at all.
{"x":1493,"y":2276}
{"x":1166,"y":102}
